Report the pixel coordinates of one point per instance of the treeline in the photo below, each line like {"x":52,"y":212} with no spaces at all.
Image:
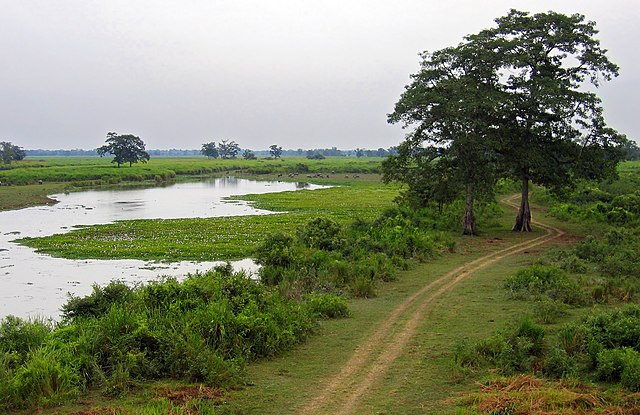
{"x":173,"y":152}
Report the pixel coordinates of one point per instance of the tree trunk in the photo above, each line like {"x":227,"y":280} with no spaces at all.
{"x":523,"y":219}
{"x":469,"y":221}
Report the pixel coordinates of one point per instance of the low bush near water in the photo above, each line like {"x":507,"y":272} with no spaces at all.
{"x":203,"y":329}
{"x":327,"y":256}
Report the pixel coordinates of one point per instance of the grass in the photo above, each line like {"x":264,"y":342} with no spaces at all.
{"x":17,"y":197}
{"x":91,"y":171}
{"x":225,"y":238}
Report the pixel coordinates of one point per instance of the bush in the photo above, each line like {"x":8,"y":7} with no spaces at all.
{"x":620,"y":365}
{"x":547,"y":311}
{"x":98,"y":302}
{"x":327,"y":305}
{"x":21,"y":336}
{"x":276,"y":250}
{"x":558,"y":364}
{"x":550,"y":282}
{"x":363,"y":287}
{"x":320,"y":233}
{"x":43,"y":380}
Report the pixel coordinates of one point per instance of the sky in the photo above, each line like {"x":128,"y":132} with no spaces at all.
{"x":299,"y":74}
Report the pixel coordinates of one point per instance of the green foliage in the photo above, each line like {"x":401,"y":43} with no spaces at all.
{"x":98,"y":302}
{"x":202,"y":329}
{"x":326,"y":256}
{"x":540,"y":281}
{"x":10,"y":152}
{"x":548,"y":311}
{"x":558,"y":364}
{"x":125,"y":148}
{"x":512,"y":350}
{"x":18,"y":337}
{"x":320,"y":233}
{"x":327,"y":305}
{"x":275,"y":251}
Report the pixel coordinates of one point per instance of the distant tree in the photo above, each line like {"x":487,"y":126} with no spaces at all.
{"x":210,"y":150}
{"x":125,"y":148}
{"x":10,"y":152}
{"x":314,"y":155}
{"x":631,"y":149}
{"x":275,"y":151}
{"x":249,"y":155}
{"x":228,"y":149}
{"x":359,"y":152}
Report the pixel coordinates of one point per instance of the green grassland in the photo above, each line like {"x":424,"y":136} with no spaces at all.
{"x":96,"y":171}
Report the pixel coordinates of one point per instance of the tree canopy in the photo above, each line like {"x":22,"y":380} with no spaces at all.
{"x":10,"y":152}
{"x":511,"y":101}
{"x":275,"y":151}
{"x":228,"y":149}
{"x":210,"y":150}
{"x":125,"y":148}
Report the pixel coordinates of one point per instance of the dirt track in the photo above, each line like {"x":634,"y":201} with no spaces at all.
{"x":372,"y":359}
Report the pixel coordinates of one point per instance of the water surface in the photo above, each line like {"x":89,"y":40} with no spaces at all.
{"x":33,"y":284}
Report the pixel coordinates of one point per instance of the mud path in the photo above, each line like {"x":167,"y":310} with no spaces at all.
{"x":341,"y":393}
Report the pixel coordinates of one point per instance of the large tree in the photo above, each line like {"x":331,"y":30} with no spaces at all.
{"x":450,"y":106}
{"x":125,"y":148}
{"x":552,"y":128}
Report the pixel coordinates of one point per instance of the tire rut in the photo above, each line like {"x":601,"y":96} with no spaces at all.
{"x":371,"y":359}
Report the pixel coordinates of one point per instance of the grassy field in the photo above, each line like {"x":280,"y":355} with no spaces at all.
{"x":96,"y":171}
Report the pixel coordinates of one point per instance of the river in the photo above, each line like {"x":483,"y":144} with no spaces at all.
{"x":33,"y":284}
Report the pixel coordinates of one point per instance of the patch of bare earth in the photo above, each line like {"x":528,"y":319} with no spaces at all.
{"x":341,"y":393}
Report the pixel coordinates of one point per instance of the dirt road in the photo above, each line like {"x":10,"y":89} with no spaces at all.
{"x":372,"y":359}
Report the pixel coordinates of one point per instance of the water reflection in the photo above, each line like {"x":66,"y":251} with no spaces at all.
{"x":34,"y":284}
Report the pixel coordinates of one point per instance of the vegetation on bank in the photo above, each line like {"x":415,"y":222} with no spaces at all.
{"x":203,"y":329}
{"x":94,"y":171}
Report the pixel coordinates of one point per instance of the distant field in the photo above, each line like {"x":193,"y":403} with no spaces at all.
{"x":97,"y":171}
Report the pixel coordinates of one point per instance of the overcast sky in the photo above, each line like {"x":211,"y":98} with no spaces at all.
{"x":300,"y":74}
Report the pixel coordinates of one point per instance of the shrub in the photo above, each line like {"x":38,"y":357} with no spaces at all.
{"x":327,"y":305}
{"x":611,"y":363}
{"x":21,"y":336}
{"x":558,"y":364}
{"x":98,"y":302}
{"x":547,"y":311}
{"x":320,"y":233}
{"x":276,"y":250}
{"x":43,"y":380}
{"x":544,"y":281}
{"x":362,"y":287}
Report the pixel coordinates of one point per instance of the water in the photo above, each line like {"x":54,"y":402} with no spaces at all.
{"x":34,"y":284}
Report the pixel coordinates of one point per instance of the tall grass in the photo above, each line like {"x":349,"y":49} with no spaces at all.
{"x":203,"y":329}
